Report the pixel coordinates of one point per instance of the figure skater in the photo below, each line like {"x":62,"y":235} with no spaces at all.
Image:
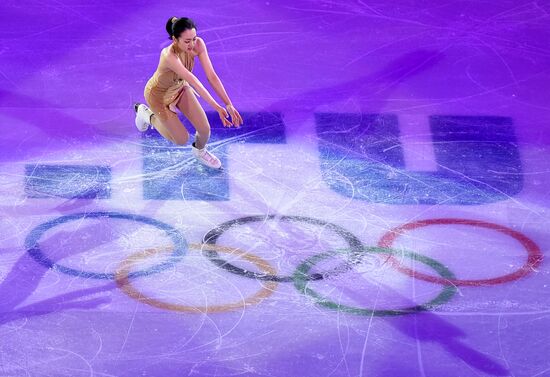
{"x":174,"y":86}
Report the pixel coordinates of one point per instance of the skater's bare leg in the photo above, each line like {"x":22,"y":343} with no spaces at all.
{"x":191,"y":108}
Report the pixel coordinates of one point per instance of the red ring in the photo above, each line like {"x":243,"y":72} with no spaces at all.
{"x":534,"y":254}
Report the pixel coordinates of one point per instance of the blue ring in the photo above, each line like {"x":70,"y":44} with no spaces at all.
{"x":31,"y":244}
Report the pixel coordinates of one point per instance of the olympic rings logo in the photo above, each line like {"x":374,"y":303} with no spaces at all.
{"x":353,"y":254}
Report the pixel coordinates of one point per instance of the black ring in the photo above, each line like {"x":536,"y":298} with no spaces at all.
{"x":356,"y":247}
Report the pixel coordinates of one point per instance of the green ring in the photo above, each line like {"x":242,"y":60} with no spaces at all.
{"x":300,"y":282}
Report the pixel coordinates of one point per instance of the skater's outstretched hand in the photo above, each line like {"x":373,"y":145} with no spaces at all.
{"x":223,"y":116}
{"x":235,"y":116}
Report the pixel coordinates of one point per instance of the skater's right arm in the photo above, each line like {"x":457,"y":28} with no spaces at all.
{"x":174,"y":64}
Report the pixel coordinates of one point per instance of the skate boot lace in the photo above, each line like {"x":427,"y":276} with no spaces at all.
{"x":209,"y":156}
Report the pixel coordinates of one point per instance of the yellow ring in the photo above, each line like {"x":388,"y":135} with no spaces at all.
{"x":122,"y":280}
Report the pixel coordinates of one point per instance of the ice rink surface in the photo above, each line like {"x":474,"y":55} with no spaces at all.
{"x":383,"y":211}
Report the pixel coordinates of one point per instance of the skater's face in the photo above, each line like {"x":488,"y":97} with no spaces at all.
{"x":187,"y":39}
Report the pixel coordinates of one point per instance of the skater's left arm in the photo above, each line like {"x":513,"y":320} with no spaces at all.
{"x":216,"y":83}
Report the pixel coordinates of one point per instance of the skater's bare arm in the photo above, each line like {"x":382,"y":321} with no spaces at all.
{"x":211,"y":75}
{"x":215,"y":81}
{"x":175,"y":65}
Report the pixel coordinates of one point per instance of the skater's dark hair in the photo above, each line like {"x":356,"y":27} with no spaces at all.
{"x":175,"y":26}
